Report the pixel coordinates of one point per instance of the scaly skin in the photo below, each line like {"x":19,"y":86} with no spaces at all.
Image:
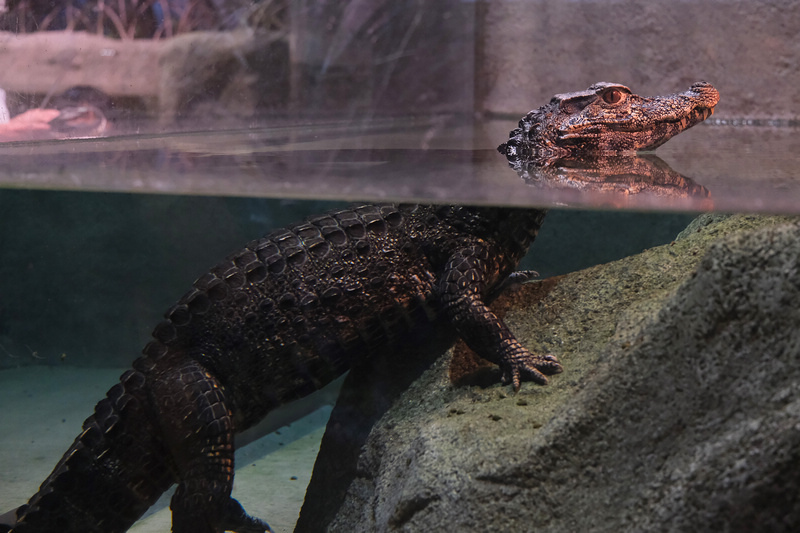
{"x":294,"y":310}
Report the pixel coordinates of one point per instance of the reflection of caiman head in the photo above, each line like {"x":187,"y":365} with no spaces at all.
{"x":636,"y":181}
{"x":606,"y":118}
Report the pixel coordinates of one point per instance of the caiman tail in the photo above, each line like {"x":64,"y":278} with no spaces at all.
{"x":113,"y":472}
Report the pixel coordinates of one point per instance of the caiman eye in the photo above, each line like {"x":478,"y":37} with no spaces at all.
{"x":614,"y":96}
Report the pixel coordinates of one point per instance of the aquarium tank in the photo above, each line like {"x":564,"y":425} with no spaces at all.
{"x":142,"y":142}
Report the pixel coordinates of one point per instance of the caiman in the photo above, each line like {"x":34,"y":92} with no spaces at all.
{"x":293,"y":310}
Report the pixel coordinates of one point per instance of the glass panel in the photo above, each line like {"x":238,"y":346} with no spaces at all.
{"x":144,"y":66}
{"x":352,"y":100}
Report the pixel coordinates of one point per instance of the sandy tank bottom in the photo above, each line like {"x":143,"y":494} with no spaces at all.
{"x":42,"y":412}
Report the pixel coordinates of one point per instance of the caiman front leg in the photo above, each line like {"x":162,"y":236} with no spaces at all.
{"x":460,"y":290}
{"x":199,"y":430}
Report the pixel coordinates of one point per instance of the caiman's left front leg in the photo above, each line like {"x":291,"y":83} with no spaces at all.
{"x":460,"y":290}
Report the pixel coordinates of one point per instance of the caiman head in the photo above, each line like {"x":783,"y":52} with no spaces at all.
{"x":607,"y":118}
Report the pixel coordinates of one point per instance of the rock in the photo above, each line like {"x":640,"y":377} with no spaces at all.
{"x":677,"y":409}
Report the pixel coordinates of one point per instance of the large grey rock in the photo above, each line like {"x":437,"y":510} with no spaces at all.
{"x":677,"y":409}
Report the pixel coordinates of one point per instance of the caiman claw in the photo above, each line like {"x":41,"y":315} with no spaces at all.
{"x":527,"y":366}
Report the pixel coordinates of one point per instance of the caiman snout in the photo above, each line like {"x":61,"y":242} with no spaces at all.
{"x":706,"y":94}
